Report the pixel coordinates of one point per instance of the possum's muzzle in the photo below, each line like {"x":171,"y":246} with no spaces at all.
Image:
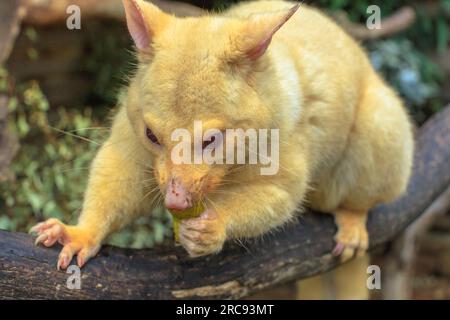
{"x":177,"y":197}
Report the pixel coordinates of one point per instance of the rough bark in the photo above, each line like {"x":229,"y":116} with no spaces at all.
{"x":300,"y":250}
{"x":10,"y":16}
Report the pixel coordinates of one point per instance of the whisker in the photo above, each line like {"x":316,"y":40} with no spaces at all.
{"x":89,"y":128}
{"x":74,"y":135}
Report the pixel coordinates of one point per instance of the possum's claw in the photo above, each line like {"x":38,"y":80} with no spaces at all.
{"x":75,"y":241}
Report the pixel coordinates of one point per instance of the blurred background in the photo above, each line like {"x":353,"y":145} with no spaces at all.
{"x":58,"y":89}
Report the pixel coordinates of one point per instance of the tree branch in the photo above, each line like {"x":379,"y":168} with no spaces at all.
{"x":300,"y":250}
{"x":40,"y":12}
{"x":401,"y":255}
{"x":397,"y":22}
{"x":11,"y":14}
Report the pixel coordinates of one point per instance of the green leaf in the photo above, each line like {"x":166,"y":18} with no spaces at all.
{"x":23,"y":126}
{"x":442,"y":35}
{"x":5,"y":223}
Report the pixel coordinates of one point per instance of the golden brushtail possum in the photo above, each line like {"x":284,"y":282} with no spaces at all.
{"x":345,"y":139}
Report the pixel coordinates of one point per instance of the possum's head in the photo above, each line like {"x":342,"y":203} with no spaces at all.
{"x":191,"y":70}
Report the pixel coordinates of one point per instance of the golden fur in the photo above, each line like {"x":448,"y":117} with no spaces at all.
{"x":346,"y":140}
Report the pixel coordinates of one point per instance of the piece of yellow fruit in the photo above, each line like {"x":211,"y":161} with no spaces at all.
{"x":193,"y":212}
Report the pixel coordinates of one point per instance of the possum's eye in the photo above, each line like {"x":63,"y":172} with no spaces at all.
{"x":208,"y":142}
{"x":151,"y":136}
{"x":213,"y":140}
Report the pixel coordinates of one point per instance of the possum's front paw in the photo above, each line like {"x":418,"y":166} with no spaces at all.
{"x":75,"y":241}
{"x":203,"y":235}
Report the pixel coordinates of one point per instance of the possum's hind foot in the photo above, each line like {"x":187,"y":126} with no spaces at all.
{"x":352,"y":237}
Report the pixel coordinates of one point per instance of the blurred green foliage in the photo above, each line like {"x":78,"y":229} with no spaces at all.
{"x":57,"y":146}
{"x":402,"y":59}
{"x":48,"y":180}
{"x":414,"y":76}
{"x":59,"y":142}
{"x":108,"y":61}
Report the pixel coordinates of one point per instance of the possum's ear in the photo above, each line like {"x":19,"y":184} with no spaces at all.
{"x":144,"y":20}
{"x":259,"y":30}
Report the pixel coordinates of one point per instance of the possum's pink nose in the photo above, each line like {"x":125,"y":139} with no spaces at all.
{"x":177,"y":197}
